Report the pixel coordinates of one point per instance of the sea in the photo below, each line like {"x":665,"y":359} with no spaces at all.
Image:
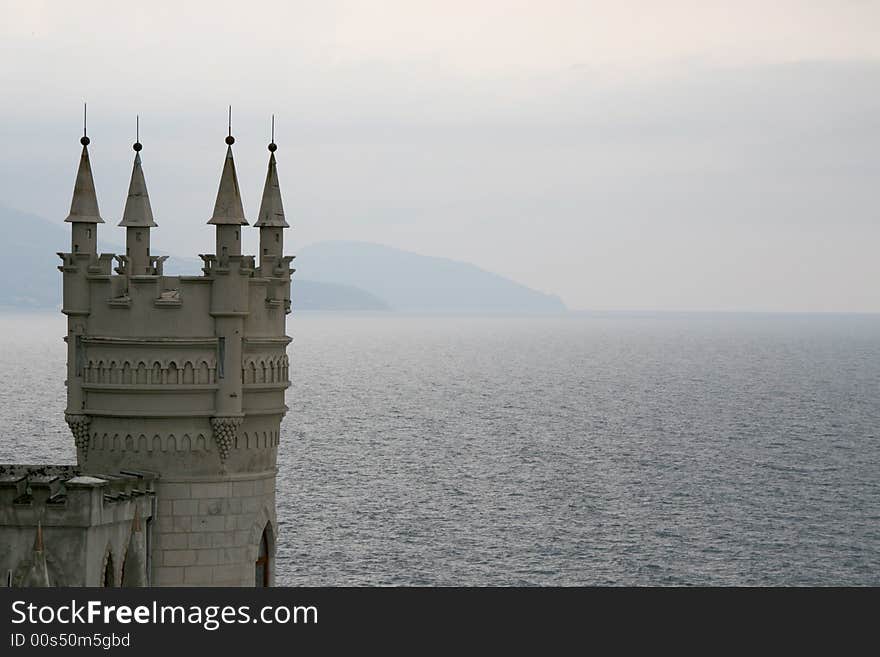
{"x":587,"y":449}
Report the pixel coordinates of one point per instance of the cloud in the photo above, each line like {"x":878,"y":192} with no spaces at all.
{"x":706,"y":158}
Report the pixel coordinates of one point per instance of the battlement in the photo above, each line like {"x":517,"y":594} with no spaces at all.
{"x":64,"y":495}
{"x":100,"y":289}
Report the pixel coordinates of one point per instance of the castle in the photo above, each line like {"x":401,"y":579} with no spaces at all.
{"x":175,"y":395}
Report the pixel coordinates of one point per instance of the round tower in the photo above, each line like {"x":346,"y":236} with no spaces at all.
{"x":185,"y":377}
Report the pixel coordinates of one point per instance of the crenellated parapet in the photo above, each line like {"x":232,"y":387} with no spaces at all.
{"x":31,"y":491}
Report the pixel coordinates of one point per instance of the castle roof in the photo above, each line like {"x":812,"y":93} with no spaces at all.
{"x":228,"y":208}
{"x":271,"y":208}
{"x":137,"y":206}
{"x":84,"y":205}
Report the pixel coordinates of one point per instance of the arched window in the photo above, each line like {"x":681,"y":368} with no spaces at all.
{"x":108,"y":571}
{"x":203,"y":373}
{"x":188,"y":373}
{"x":142,"y":373}
{"x":261,"y":568}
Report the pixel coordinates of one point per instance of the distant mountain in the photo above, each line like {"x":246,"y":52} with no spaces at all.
{"x":29,"y":269}
{"x":29,"y":265}
{"x":312,"y":295}
{"x":31,"y":262}
{"x":416,"y":283}
{"x":330,"y":275}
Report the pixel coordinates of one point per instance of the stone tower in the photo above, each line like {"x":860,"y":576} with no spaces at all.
{"x":183,"y":377}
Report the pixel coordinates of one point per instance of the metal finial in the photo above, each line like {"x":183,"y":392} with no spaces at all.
{"x":272,"y":145}
{"x":229,"y":138}
{"x":85,"y":139}
{"x":137,"y":134}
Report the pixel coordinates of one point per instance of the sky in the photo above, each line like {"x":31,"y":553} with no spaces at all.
{"x":683,"y":155}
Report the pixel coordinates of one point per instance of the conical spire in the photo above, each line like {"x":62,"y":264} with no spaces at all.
{"x":228,"y":208}
{"x":84,"y":205}
{"x":271,"y":208}
{"x":38,"y":575}
{"x":134,"y":570}
{"x":138,"y":212}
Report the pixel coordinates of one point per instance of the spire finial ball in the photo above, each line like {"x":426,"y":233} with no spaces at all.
{"x":137,"y":146}
{"x":273,"y":147}
{"x":85,"y":141}
{"x":230,"y":140}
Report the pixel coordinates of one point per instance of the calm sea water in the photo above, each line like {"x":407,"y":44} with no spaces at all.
{"x":653,"y":449}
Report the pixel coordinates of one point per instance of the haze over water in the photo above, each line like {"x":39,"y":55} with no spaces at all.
{"x":595,"y":449}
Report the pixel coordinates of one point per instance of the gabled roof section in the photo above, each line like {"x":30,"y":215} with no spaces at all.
{"x":228,"y":208}
{"x":271,"y":208}
{"x":137,"y":206}
{"x":84,"y":205}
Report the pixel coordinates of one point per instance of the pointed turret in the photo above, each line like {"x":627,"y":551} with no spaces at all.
{"x":138,"y":212}
{"x":271,"y":207}
{"x":134,"y":568}
{"x":138,"y":220}
{"x":84,"y":206}
{"x":38,"y":575}
{"x":271,"y":221}
{"x":228,"y":209}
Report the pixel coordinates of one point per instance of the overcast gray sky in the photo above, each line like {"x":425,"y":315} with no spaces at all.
{"x":688,"y":155}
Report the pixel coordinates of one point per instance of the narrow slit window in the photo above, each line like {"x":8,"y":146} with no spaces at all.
{"x":79,"y":355}
{"x":261,"y":566}
{"x":221,"y":356}
{"x":108,"y":571}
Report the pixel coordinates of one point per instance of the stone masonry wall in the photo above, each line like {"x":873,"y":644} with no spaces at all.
{"x":207,"y":533}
